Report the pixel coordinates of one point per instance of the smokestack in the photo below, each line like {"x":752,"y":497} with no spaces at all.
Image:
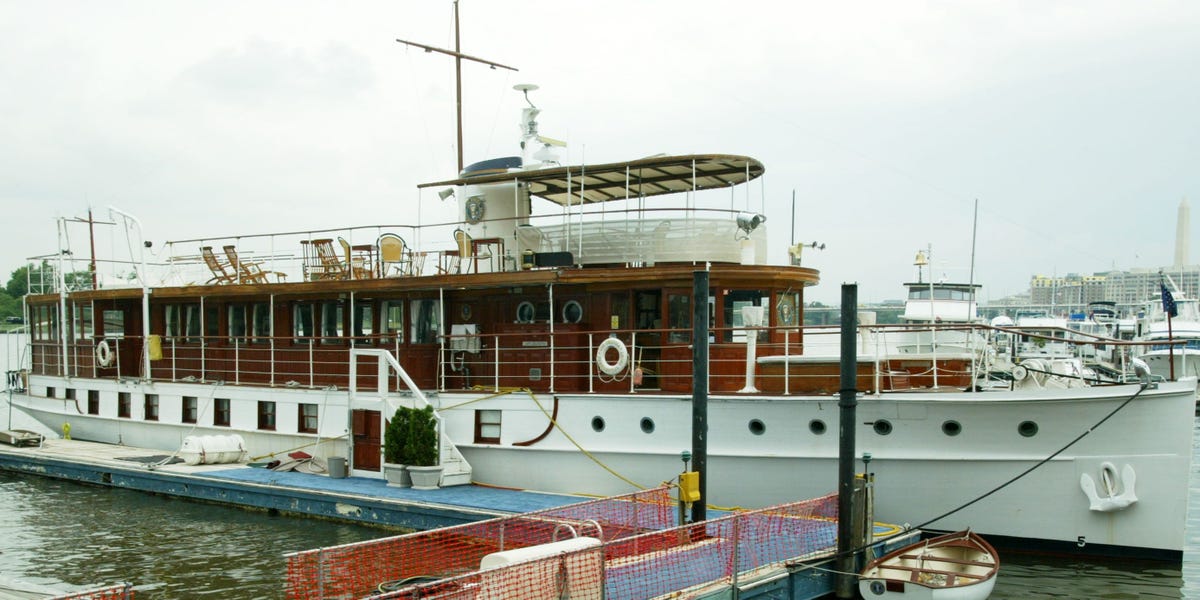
{"x":1183,"y":227}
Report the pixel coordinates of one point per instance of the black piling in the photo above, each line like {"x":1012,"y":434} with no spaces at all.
{"x":847,"y":405}
{"x":700,"y":389}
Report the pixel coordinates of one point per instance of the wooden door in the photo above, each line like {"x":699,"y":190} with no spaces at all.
{"x":367,"y":439}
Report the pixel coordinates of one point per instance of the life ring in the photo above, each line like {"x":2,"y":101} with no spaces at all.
{"x":602,"y":356}
{"x":103,"y":353}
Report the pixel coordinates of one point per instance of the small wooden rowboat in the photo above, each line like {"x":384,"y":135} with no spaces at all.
{"x":955,"y":566}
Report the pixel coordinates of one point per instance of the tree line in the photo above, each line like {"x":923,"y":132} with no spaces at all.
{"x":18,"y":286}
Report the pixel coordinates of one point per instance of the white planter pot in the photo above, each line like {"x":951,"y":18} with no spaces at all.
{"x":397,"y":475}
{"x":425,"y":478}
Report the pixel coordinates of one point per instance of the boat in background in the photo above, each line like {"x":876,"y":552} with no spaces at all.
{"x":955,"y":566}
{"x":1177,"y":341}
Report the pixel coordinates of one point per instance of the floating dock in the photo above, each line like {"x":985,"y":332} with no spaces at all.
{"x":356,"y":499}
{"x":489,"y":538}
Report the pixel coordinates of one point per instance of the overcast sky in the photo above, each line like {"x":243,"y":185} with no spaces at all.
{"x":1074,"y":124}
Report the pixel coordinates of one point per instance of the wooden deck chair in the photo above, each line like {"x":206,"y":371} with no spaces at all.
{"x":221,"y":274}
{"x":355,"y":265}
{"x":330,"y":266}
{"x":249,"y":272}
{"x":392,"y":255}
{"x":467,"y":259}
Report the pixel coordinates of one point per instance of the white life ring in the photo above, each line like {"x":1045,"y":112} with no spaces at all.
{"x":602,"y":356}
{"x":103,"y":353}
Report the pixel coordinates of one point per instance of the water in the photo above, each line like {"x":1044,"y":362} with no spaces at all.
{"x":72,"y":536}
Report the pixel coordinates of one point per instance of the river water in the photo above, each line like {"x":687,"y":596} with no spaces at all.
{"x":72,"y":536}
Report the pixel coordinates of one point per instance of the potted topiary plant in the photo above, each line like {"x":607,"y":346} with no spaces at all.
{"x":422,"y":448}
{"x":395,"y":448}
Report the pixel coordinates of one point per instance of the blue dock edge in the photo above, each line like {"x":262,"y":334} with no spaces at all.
{"x":353,"y":499}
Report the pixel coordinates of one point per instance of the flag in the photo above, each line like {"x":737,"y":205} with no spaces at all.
{"x":1168,"y":302}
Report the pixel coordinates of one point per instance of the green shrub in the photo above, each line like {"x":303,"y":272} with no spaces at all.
{"x":422,"y":444}
{"x":395,"y":438}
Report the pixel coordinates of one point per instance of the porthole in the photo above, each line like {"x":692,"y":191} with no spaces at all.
{"x":951,"y":428}
{"x":572,"y":312}
{"x":1027,"y":429}
{"x":882,"y":427}
{"x":647,"y":425}
{"x":525,"y":312}
{"x":757,"y":427}
{"x":817,"y":426}
{"x":597,"y":424}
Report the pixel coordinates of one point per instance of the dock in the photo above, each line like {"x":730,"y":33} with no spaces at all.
{"x":356,"y":499}
{"x":474,"y":536}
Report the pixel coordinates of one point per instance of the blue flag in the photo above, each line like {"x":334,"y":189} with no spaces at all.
{"x":1168,"y":302}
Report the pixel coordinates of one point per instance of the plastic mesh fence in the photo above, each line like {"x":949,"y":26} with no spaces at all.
{"x":357,"y":570}
{"x":624,"y":567}
{"x":122,"y":591}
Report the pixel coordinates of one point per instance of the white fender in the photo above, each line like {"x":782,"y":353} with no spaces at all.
{"x":1110,"y":501}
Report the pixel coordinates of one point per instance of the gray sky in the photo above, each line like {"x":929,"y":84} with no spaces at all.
{"x":1073,"y":123}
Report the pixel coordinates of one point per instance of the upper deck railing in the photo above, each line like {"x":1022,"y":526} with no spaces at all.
{"x":786,"y":361}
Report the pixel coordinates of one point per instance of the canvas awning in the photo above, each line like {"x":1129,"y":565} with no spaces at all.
{"x":645,"y":177}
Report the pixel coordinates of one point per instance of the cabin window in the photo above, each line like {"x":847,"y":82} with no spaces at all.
{"x":331,"y":322}
{"x":679,"y":318}
{"x":266,"y":415}
{"x":192,"y":323}
{"x":124,"y":405}
{"x":151,"y":407}
{"x":237,"y":323}
{"x":93,"y":402}
{"x":212,"y":322}
{"x":391,"y":320}
{"x":49,"y":392}
{"x":221,"y":412}
{"x":53,"y":321}
{"x":364,"y":322}
{"x":261,"y":322}
{"x":302,"y":323}
{"x":69,"y":393}
{"x":173,"y":320}
{"x":83,"y":312}
{"x":572,"y":312}
{"x":735,"y":301}
{"x":190,"y":408}
{"x":487,"y":427}
{"x":308,"y":418}
{"x":426,"y":320}
{"x":114,"y":323}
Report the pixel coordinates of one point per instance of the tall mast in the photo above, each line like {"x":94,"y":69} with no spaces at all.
{"x":458,"y":58}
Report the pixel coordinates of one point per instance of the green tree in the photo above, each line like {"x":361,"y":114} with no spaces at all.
{"x":18,"y":283}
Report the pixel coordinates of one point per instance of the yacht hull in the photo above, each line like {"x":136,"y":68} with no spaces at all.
{"x":931,"y":452}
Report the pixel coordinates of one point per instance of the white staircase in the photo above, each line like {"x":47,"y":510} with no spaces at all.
{"x":455,"y":468}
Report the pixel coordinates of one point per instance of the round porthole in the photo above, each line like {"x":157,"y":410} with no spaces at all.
{"x":525,"y":312}
{"x":817,"y":426}
{"x":1027,"y":429}
{"x":597,"y":424}
{"x":882,"y":427}
{"x":647,"y":425}
{"x":951,"y":428}
{"x":572,"y":312}
{"x":757,"y":427}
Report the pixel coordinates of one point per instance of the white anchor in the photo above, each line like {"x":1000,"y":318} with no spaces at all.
{"x":1111,"y":501}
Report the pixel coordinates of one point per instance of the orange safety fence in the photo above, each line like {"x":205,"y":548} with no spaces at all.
{"x":653,"y":563}
{"x":120,"y":591}
{"x":358,"y":570}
